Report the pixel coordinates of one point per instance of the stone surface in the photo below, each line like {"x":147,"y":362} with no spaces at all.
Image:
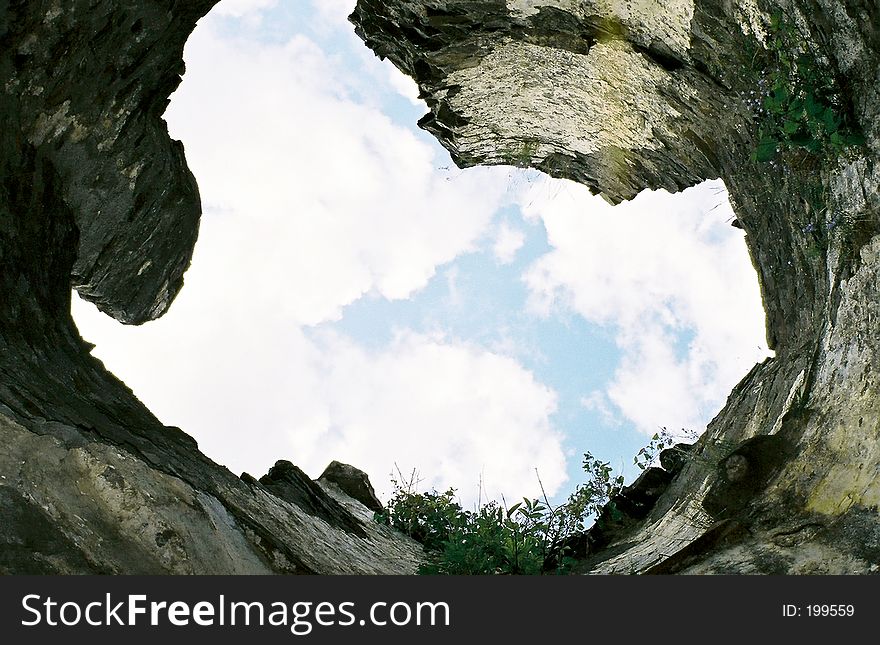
{"x":621,"y":96}
{"x":354,"y":482}
{"x":292,"y":485}
{"x":85,"y":85}
{"x":674,"y":458}
{"x":624,"y":96}
{"x":95,"y":195}
{"x":71,"y":504}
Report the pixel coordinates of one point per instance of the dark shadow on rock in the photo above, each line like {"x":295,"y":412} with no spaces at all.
{"x":743,"y":474}
{"x":32,"y":543}
{"x":720,"y":535}
{"x":292,"y":485}
{"x":674,"y":458}
{"x":354,"y":483}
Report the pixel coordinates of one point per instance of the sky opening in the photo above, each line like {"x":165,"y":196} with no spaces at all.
{"x":355,"y":296}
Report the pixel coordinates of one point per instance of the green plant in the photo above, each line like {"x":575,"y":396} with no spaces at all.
{"x":599,"y":488}
{"x":798,"y":103}
{"x":494,"y":540}
{"x":649,"y":454}
{"x":525,"y":538}
{"x":529,"y":537}
{"x":427,"y":517}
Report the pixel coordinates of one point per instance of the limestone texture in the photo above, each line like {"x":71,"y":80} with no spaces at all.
{"x":95,"y":195}
{"x":619,"y":95}
{"x":626,"y":96}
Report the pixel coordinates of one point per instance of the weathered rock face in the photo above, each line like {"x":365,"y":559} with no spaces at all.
{"x":95,"y":195}
{"x":73,"y":504}
{"x":619,"y":95}
{"x":624,"y":96}
{"x":85,"y":85}
{"x":354,"y":483}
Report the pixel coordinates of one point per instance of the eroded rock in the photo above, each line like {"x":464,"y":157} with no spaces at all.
{"x":354,"y":483}
{"x":619,"y":96}
{"x":628,"y":96}
{"x":94,"y":194}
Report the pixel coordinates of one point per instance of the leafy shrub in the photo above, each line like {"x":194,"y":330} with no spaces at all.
{"x":659,"y":442}
{"x":488,"y":540}
{"x":428,"y":517}
{"x":799,"y":103}
{"x":529,"y":537}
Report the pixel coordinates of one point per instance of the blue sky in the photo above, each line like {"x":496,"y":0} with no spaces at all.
{"x":355,"y":296}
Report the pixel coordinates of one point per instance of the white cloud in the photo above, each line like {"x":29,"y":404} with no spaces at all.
{"x":252,"y":389}
{"x":405,"y":86}
{"x":239,"y":8}
{"x":334,"y":13}
{"x":311,"y":201}
{"x":654,"y":388}
{"x":350,"y":201}
{"x":450,"y":410}
{"x":454,"y":299}
{"x":657,"y":269}
{"x":597,"y":401}
{"x":507,"y":242}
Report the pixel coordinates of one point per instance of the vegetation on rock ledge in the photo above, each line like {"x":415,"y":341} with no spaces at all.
{"x":530,"y":537}
{"x":798,"y":103}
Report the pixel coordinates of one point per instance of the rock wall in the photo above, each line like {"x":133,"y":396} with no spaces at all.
{"x":624,"y":96}
{"x":95,"y":195}
{"x":621,"y":96}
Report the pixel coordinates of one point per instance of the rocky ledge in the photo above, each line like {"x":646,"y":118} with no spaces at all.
{"x":650,"y":94}
{"x":95,"y":195}
{"x":619,"y":96}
